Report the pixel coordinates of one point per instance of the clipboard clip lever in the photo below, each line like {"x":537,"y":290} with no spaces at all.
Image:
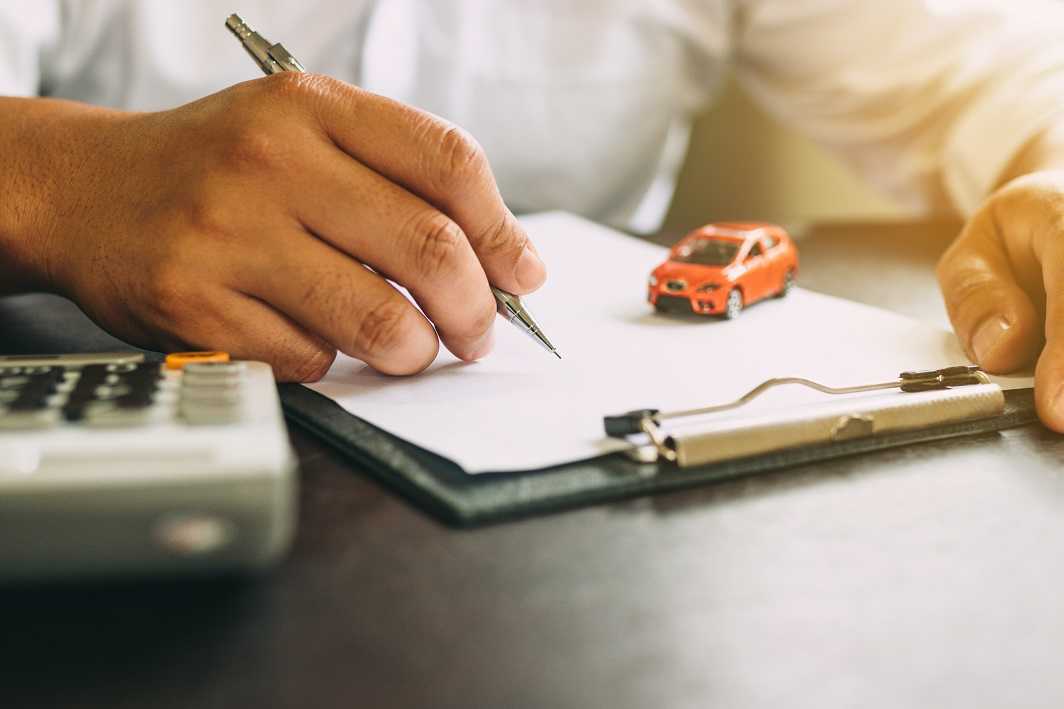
{"x":941,"y":378}
{"x":649,"y":422}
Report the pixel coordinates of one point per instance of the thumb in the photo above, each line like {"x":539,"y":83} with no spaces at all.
{"x":991,"y":314}
{"x":1049,"y":374}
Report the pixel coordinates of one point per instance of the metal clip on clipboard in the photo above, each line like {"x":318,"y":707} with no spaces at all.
{"x":931,"y":398}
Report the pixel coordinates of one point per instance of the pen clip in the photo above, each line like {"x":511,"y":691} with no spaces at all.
{"x":271,"y":58}
{"x":283,"y":59}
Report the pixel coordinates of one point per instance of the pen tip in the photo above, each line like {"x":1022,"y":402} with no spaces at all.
{"x":556,"y":354}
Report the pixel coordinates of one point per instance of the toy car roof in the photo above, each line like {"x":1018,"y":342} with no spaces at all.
{"x":740,"y":232}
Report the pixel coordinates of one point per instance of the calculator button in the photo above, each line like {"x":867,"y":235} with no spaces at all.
{"x":30,"y":392}
{"x":102,"y":414}
{"x":165,"y":396}
{"x":216,"y":408}
{"x":47,"y":374}
{"x":123,"y":396}
{"x":135,"y":409}
{"x":126,"y":402}
{"x":91,"y":376}
{"x":207,"y":389}
{"x":216,"y":368}
{"x":211,"y":417}
{"x":201,"y":387}
{"x":213,"y":395}
{"x":127,"y":386}
{"x":24,"y":403}
{"x":136,"y":400}
{"x":178,"y":360}
{"x":12,"y":381}
{"x":31,"y":419}
{"x":74,"y":411}
{"x":138,"y":374}
{"x":36,"y":380}
{"x":212,"y":375}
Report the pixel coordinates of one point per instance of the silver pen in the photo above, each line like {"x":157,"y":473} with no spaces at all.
{"x":274,"y":58}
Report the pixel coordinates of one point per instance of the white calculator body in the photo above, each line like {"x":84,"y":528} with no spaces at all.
{"x":110,"y":465}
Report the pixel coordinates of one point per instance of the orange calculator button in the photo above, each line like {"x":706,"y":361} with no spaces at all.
{"x":177,"y":360}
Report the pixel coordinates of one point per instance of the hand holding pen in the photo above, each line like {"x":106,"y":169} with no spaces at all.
{"x":270,"y":220}
{"x":274,"y":59}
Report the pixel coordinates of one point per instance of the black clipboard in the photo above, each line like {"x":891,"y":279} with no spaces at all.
{"x":440,"y":486}
{"x":40,"y":323}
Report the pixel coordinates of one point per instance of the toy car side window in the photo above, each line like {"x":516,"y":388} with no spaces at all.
{"x":755,"y":250}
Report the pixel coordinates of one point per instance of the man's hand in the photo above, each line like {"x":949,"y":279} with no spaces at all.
{"x":265,"y":219}
{"x":1003,"y":280}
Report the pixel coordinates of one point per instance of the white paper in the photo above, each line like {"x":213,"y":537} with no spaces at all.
{"x":521,"y":408}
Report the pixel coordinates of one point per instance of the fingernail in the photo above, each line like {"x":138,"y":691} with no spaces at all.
{"x":987,"y":336}
{"x":530,"y":271}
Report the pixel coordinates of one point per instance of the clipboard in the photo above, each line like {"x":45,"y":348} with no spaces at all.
{"x":439,"y":486}
{"x":43,"y":323}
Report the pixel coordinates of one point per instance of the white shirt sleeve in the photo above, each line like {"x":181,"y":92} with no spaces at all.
{"x":928,"y":99}
{"x":28,"y":29}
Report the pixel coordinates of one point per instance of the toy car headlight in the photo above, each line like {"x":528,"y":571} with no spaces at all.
{"x":707,"y":287}
{"x":652,"y":281}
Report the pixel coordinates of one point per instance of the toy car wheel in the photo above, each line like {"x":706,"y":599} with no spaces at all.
{"x":734,"y":305}
{"x":788,"y":283}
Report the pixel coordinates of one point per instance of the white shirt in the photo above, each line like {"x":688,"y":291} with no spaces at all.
{"x":585,"y":105}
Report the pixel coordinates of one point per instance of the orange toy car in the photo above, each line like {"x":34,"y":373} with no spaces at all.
{"x":722,"y":268}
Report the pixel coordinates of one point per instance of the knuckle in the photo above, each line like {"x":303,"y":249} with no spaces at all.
{"x":969,"y":283}
{"x":306,"y":92}
{"x":462,"y":159}
{"x":312,"y":366}
{"x":969,"y":297}
{"x":168,"y":286}
{"x":205,"y":216}
{"x":964,"y":261}
{"x":1042,"y":187}
{"x":502,"y":238}
{"x":174,"y":304}
{"x":294,"y":85}
{"x":255,"y":146}
{"x":965,"y":290}
{"x":438,"y":243}
{"x":383,"y":328}
{"x":946,"y":269}
{"x":1027,"y":205}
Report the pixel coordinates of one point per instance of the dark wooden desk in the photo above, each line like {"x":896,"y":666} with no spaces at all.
{"x":928,"y":577}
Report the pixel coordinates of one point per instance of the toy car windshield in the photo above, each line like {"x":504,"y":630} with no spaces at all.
{"x":707,"y":252}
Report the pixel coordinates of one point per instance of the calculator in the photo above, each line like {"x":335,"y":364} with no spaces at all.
{"x":114,"y":465}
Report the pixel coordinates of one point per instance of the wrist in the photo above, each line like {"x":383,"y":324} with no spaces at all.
{"x":47,"y":145}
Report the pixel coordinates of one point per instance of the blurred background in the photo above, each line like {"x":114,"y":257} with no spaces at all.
{"x":742,"y":164}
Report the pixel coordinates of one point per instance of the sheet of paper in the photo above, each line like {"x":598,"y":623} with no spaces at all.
{"x":521,"y":408}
